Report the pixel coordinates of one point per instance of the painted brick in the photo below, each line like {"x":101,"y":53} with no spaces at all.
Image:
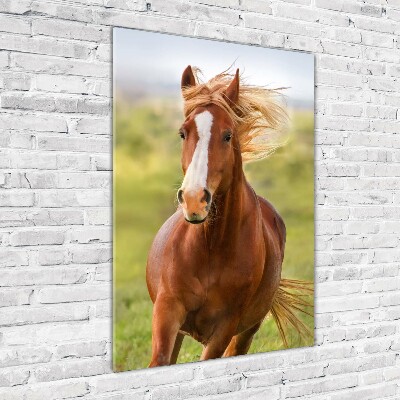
{"x":12,"y":316}
{"x":366,"y":393}
{"x":263,"y":7}
{"x":16,"y":81}
{"x":15,"y":297}
{"x":22,"y":355}
{"x":26,"y":199}
{"x":33,"y":122}
{"x":13,"y":258}
{"x":59,"y":65}
{"x":98,"y":145}
{"x":90,"y":234}
{"x":45,"y":46}
{"x":324,"y":385}
{"x":70,"y":30}
{"x":53,"y":257}
{"x":14,"y":25}
{"x":19,"y":7}
{"x":70,"y":369}
{"x":34,"y":238}
{"x":74,"y":293}
{"x":79,"y":162}
{"x":81,"y":349}
{"x":16,"y":277}
{"x":97,"y":126}
{"x":58,"y":390}
{"x":61,"y":11}
{"x":102,"y":162}
{"x":16,"y":140}
{"x":11,"y":377}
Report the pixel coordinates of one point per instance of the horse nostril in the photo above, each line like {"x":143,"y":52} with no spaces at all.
{"x":207,"y":196}
{"x":180,"y":196}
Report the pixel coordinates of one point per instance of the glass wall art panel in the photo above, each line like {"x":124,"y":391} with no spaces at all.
{"x":213,"y":199}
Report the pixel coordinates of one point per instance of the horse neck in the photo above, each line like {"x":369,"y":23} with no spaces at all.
{"x":231,"y":207}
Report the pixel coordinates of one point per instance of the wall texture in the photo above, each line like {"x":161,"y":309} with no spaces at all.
{"x":55,"y":198}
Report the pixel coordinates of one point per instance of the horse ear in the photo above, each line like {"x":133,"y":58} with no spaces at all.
{"x":232,"y":91}
{"x":188,"y":78}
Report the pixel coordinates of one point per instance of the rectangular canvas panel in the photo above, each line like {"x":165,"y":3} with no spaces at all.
{"x":227,"y":159}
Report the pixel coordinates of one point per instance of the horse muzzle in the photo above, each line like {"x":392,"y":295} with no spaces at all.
{"x":195,"y":204}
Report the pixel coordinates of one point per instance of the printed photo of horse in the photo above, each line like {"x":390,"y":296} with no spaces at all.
{"x":213,"y":236}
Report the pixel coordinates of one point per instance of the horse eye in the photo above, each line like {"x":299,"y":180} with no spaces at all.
{"x":182,"y":134}
{"x":227,"y":136}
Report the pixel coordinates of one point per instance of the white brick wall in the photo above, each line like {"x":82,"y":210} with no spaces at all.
{"x":55,"y":220}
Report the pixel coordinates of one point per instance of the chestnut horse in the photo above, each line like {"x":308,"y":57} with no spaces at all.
{"x":214,"y":268}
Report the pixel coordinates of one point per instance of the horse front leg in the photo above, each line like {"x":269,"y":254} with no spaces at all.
{"x":220,"y":339}
{"x":168,"y":316}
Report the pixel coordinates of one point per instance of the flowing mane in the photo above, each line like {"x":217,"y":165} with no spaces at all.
{"x":259,"y":116}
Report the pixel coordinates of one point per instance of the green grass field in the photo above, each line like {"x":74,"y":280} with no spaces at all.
{"x":147,"y":173}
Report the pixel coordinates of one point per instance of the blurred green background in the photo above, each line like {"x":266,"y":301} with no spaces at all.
{"x":147,"y":174}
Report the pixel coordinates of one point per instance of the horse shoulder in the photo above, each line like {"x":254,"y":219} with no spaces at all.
{"x":273,"y":222}
{"x":156,"y":257}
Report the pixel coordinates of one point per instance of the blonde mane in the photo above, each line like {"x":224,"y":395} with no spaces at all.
{"x":258,"y":116}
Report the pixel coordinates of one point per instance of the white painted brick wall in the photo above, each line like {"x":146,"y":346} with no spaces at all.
{"x":55,"y":180}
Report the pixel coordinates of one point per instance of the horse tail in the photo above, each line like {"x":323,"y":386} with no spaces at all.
{"x":291,"y":298}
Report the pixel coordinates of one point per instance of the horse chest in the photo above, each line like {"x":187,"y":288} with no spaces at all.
{"x":226,"y":292}
{"x":220,"y":278}
{"x":218,"y":282}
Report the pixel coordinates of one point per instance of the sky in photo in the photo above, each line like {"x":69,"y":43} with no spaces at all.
{"x":154,"y":62}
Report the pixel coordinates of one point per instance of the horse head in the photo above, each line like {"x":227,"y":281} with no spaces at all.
{"x":208,"y":151}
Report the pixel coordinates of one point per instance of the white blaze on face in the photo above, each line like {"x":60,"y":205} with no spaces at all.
{"x":196,"y":174}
